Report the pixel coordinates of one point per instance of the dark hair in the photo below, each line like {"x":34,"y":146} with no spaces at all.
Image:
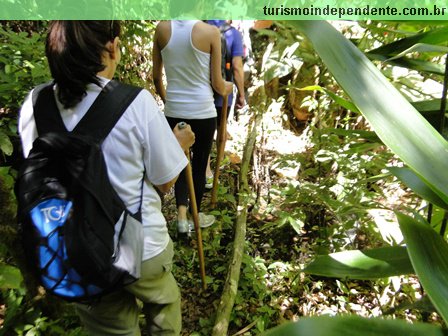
{"x":74,"y":51}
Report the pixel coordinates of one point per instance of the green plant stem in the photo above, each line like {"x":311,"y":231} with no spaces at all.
{"x":442,"y":126}
{"x":443,"y":227}
{"x":443,"y":102}
{"x":429,"y":217}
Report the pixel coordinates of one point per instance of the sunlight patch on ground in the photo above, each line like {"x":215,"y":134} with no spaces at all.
{"x":277,"y":138}
{"x":387,"y":225}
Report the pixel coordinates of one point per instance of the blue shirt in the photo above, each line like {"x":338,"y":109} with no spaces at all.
{"x":234,"y":43}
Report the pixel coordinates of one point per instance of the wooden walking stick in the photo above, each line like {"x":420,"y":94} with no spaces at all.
{"x":220,"y":146}
{"x":194,"y":212}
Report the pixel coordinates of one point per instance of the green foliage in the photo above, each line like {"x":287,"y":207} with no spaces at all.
{"x":10,"y":277}
{"x":279,"y":63}
{"x":370,"y":264}
{"x":333,"y":192}
{"x":339,"y":100}
{"x":431,"y":38}
{"x":413,"y":181}
{"x":411,"y":138}
{"x":25,"y":319}
{"x":415,"y":149}
{"x":136,"y":61}
{"x":354,"y":326}
{"x":8,"y":130}
{"x":254,"y":296}
{"x":427,"y":251}
{"x":22,"y":66}
{"x":338,"y":179}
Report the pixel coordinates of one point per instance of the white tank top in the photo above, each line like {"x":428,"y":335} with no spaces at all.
{"x":189,"y":93}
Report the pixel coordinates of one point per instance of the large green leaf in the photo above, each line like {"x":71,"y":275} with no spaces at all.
{"x":364,"y":265}
{"x":422,"y":48}
{"x":430,"y":109}
{"x":399,"y":125}
{"x":428,"y":253}
{"x":428,"y":106}
{"x":5,"y":144}
{"x":423,"y":42}
{"x":10,"y":277}
{"x":353,"y":326}
{"x":436,"y":37}
{"x":412,"y":64}
{"x":413,"y":181}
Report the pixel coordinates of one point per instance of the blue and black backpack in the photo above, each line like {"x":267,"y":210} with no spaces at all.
{"x":226,"y":54}
{"x":78,"y":236}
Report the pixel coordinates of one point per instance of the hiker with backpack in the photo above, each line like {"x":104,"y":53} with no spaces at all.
{"x":95,"y":151}
{"x":190,"y":53}
{"x":233,"y":72}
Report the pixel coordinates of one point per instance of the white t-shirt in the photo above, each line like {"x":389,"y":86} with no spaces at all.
{"x":141,"y":145}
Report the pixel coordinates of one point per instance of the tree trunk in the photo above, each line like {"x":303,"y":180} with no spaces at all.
{"x":231,"y":285}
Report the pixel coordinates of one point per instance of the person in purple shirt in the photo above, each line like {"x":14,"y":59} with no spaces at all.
{"x":234,"y":42}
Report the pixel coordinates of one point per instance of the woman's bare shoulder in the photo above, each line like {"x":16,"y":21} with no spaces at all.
{"x":163,"y":25}
{"x":207,"y":28}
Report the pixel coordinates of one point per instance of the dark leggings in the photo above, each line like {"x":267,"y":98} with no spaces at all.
{"x":204,"y":129}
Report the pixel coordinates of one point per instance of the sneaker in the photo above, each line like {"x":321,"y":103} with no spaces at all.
{"x":182,"y":226}
{"x":204,"y":221}
{"x":209,"y":182}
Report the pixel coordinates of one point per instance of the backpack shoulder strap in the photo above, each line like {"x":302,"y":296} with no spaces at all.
{"x":106,"y":110}
{"x":225,"y":27}
{"x":45,"y":110}
{"x":99,"y":119}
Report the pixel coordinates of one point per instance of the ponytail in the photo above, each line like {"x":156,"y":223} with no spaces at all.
{"x":74,"y":51}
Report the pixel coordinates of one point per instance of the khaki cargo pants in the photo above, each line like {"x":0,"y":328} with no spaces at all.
{"x":117,"y":313}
